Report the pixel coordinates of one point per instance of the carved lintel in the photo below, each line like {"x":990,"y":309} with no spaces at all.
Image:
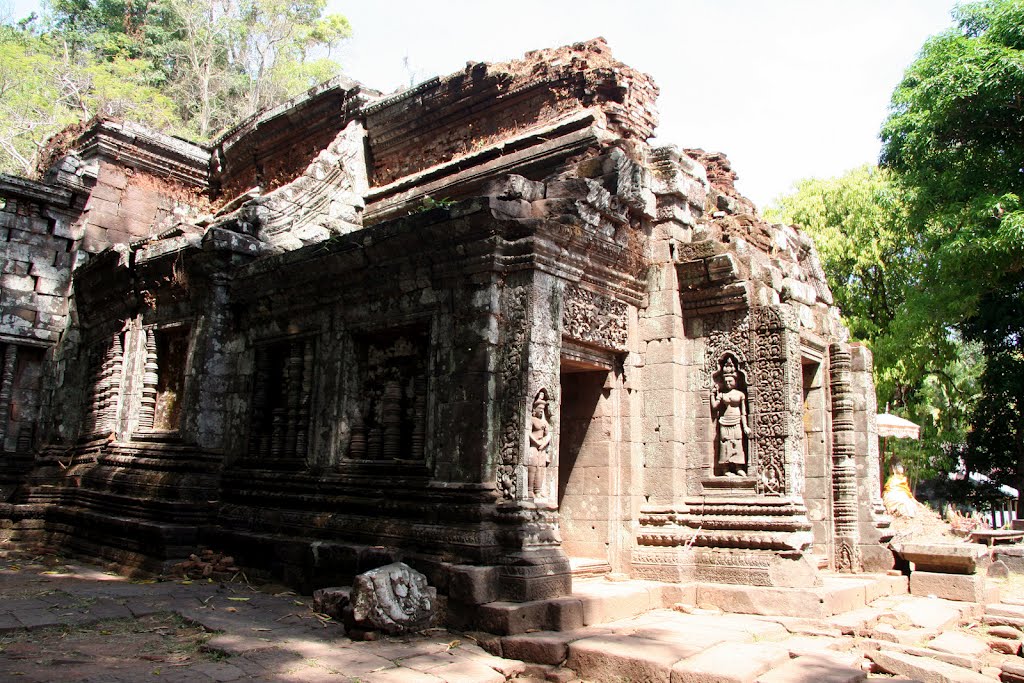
{"x":594,"y":318}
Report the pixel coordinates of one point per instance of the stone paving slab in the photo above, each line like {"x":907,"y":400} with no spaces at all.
{"x":924,"y":668}
{"x":257,"y":636}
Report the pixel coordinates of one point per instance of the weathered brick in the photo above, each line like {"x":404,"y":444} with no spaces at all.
{"x":18,"y":283}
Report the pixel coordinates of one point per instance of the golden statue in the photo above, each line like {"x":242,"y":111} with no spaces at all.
{"x":898,"y":498}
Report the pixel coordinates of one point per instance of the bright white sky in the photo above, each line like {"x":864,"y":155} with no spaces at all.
{"x":787,"y":88}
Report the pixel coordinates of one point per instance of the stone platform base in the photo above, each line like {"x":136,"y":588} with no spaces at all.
{"x":725,"y":565}
{"x":838,"y":593}
{"x":598,"y":601}
{"x":593,"y":601}
{"x":961,"y":587}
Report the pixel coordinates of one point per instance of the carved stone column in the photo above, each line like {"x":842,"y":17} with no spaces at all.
{"x":844,"y":471}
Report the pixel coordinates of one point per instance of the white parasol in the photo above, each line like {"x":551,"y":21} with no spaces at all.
{"x":897,"y":427}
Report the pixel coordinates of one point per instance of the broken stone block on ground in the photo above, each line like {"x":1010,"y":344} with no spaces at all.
{"x":393,"y":599}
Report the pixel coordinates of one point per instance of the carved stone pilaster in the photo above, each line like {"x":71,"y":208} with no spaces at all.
{"x":772,"y":400}
{"x":844,"y":471}
{"x":513,"y":355}
{"x":10,"y":363}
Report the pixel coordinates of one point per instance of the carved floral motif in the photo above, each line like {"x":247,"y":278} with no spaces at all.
{"x":511,"y":370}
{"x":594,"y":318}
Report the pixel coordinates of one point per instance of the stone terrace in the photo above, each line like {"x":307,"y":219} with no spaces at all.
{"x":269,"y":634}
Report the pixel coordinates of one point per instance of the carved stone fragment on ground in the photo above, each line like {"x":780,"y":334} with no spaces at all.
{"x":393,"y":599}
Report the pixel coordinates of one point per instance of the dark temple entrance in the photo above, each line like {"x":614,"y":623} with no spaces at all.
{"x":585,"y":455}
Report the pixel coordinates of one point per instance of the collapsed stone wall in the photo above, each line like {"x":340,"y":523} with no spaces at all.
{"x":38,"y":237}
{"x":442,"y":119}
{"x":274,"y":148}
{"x":324,"y":201}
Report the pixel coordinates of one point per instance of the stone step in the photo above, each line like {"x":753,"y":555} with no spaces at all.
{"x":838,"y":594}
{"x":924,"y":668}
{"x":813,"y":669}
{"x":1000,"y":620}
{"x":1005,"y":610}
{"x":588,"y":567}
{"x":593,"y":601}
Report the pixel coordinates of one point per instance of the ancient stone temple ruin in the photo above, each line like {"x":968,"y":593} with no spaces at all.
{"x":481,"y":326}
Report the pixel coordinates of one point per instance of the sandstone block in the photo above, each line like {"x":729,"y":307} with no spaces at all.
{"x":18,"y":283}
{"x":1006,"y":647}
{"x":614,"y":658}
{"x":1012,"y":671}
{"x":923,"y":668}
{"x":813,"y":668}
{"x":962,"y":587}
{"x":729,"y":663}
{"x":904,"y":636}
{"x":544,"y":647}
{"x":998,"y":570}
{"x":1005,"y":610}
{"x":959,"y":643}
{"x":972,"y":663}
{"x":473,"y":585}
{"x":943,"y":558}
{"x":927,"y":613}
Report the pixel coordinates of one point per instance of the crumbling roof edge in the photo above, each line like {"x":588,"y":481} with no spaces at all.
{"x":32,"y":189}
{"x":337,"y":84}
{"x":474,"y":162}
{"x":145,"y":149}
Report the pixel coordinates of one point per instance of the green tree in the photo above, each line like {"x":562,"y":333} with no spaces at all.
{"x":44,"y":88}
{"x":222,"y":60}
{"x":874,"y":265}
{"x":954,"y":141}
{"x":859,"y":225}
{"x":996,"y":442}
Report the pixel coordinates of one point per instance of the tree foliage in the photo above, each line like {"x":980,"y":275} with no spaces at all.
{"x":874,"y":263}
{"x":187,"y":67}
{"x":44,"y":88}
{"x":954,"y":141}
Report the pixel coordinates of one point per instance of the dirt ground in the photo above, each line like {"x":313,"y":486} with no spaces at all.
{"x":145,"y":647}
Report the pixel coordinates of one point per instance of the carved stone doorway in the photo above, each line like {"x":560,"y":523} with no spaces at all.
{"x":585,"y":463}
{"x":818,"y":469}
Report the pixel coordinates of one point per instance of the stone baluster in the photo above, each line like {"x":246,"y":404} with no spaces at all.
{"x":302,"y":431}
{"x":391,"y":420}
{"x":10,"y":363}
{"x":95,"y":376}
{"x":844,"y":473}
{"x":102,"y":389}
{"x":259,"y":438}
{"x":419,"y":417}
{"x":111,"y":385}
{"x":150,"y":379}
{"x":357,"y":442}
{"x":293,"y":396}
